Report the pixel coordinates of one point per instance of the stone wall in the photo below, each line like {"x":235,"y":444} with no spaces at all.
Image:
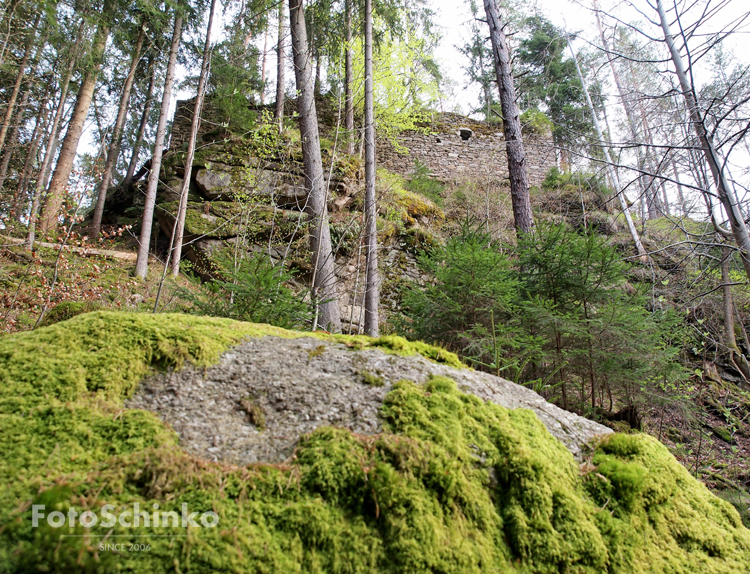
{"x":455,"y":146}
{"x":452,"y":147}
{"x":183,"y":120}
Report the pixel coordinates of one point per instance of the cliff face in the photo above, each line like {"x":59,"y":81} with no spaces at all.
{"x":427,"y":473}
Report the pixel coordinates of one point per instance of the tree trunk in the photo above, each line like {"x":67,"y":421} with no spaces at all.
{"x":11,"y":146}
{"x":729,"y":337}
{"x":114,"y":144}
{"x":141,"y":264}
{"x":324,"y":292}
{"x":608,"y":159}
{"x":49,"y":153}
{"x":655,"y":207}
{"x":725,"y":193}
{"x":18,"y":123}
{"x":372,"y":279}
{"x":263,"y":69}
{"x":64,"y":167}
{"x":39,"y":126}
{"x":180,"y":223}
{"x":142,"y":127}
{"x":519,"y":182}
{"x":680,"y":193}
{"x":736,"y":357}
{"x":17,"y":86}
{"x":348,"y":80}
{"x":8,"y":17}
{"x":629,"y":114}
{"x":317,"y":74}
{"x":280,"y":61}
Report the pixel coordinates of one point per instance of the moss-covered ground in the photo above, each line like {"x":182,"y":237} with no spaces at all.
{"x":453,"y":485}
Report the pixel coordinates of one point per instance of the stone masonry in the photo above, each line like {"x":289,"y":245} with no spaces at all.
{"x":455,"y":146}
{"x":451,"y":146}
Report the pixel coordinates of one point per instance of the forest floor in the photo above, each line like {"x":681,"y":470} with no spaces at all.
{"x":31,"y":284}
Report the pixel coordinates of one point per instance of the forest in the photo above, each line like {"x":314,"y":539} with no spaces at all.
{"x":564,"y":203}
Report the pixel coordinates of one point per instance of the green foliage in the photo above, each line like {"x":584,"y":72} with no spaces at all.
{"x":567,"y":323}
{"x":402,"y":206}
{"x":550,"y":82}
{"x":252,"y":289}
{"x":234,"y":78}
{"x":372,"y":379}
{"x":421,"y":182}
{"x":406,"y":81}
{"x":473,"y":286}
{"x":454,"y":485}
{"x":596,"y":331}
{"x":576,"y":181}
{"x":536,"y":121}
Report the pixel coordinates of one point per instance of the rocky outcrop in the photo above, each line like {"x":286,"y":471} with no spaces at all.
{"x":298,"y":385}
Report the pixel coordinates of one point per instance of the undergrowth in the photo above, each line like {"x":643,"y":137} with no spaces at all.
{"x":453,"y":485}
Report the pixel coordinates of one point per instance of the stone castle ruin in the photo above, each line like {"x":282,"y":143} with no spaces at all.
{"x":452,"y":146}
{"x":456,"y":146}
{"x":240,"y":197}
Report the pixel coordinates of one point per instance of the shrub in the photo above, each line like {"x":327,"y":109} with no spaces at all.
{"x":473,"y":290}
{"x":567,"y":323}
{"x":421,"y":182}
{"x":254,"y":290}
{"x":577,"y":180}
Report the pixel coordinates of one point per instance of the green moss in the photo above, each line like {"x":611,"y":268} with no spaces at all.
{"x":254,"y":411}
{"x":404,"y":206}
{"x":399,"y":346}
{"x":372,"y":379}
{"x":67,"y":310}
{"x":107,"y":353}
{"x":214,"y":219}
{"x":454,"y":485}
{"x":316,"y":352}
{"x":723,"y":433}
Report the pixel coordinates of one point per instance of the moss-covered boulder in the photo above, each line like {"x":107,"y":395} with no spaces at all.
{"x":452,"y":483}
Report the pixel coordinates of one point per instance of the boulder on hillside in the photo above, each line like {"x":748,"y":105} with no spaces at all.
{"x":397,"y":460}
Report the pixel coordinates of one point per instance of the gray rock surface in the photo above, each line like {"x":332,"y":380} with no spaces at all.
{"x":213,"y":182}
{"x":265,"y":393}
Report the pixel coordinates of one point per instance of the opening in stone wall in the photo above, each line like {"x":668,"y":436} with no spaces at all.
{"x":465,"y":133}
